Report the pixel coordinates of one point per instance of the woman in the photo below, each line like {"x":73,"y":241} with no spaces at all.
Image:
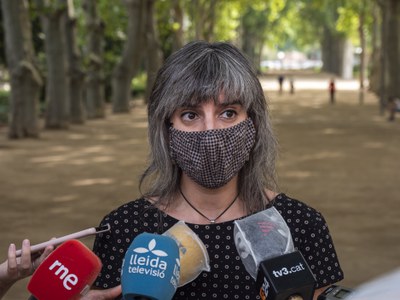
{"x":212,"y":161}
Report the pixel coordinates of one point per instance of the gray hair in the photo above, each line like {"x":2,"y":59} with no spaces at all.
{"x":197,"y":73}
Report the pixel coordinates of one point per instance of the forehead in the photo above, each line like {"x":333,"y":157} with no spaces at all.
{"x":220,"y":102}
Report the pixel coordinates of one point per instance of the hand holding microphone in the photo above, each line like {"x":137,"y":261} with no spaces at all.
{"x":23,"y":262}
{"x":108,"y":294}
{"x":265,"y":245}
{"x":16,"y":268}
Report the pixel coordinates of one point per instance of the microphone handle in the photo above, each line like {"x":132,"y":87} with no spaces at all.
{"x":31,"y":297}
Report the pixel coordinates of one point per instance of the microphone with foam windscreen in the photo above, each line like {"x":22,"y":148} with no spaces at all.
{"x":193,"y":254}
{"x":66,"y":274}
{"x":265,"y":246}
{"x":151,"y":268}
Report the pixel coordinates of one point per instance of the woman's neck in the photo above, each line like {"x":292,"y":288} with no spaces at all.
{"x":199,"y":205}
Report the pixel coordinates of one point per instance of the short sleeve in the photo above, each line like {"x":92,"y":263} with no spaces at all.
{"x":312,"y":238}
{"x":111,"y":246}
{"x":105,"y":248}
{"x":126,"y":222}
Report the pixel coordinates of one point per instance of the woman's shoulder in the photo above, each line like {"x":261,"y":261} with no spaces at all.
{"x":294,"y":209}
{"x":131,"y":208}
{"x":311,"y":236}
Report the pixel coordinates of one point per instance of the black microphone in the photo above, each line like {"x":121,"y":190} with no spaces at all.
{"x":286,"y":277}
{"x":334,"y":292}
{"x":265,"y":245}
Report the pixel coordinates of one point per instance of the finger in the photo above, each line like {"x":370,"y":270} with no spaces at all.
{"x":45,"y":253}
{"x":113,"y":292}
{"x":41,"y":256}
{"x":12,"y":261}
{"x":108,"y":294}
{"x":25,"y":262}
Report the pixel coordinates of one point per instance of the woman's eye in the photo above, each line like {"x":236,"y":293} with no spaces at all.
{"x":188,"y":116}
{"x":230,"y":113}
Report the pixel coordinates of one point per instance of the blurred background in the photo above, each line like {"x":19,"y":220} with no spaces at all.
{"x":75,"y":76}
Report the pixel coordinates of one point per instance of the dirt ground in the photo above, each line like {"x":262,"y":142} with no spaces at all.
{"x":342,"y":159}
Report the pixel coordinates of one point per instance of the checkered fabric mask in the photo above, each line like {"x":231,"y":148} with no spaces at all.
{"x":212,"y":157}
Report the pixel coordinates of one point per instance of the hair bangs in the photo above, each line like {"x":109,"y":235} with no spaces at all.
{"x":212,"y":77}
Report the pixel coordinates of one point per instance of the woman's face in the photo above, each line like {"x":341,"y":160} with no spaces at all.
{"x":208,"y":115}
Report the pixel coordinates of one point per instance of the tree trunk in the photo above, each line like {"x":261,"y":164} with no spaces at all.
{"x":153,"y":49}
{"x":362,"y":54}
{"x":53,"y":16}
{"x":129,"y":63}
{"x":383,"y":58}
{"x":203,"y":18}
{"x":393,"y":49}
{"x":374,"y":63}
{"x":337,"y":54}
{"x":346,"y":57}
{"x":177,"y":15}
{"x":208,"y":29}
{"x":253,"y":24}
{"x":25,"y":79}
{"x":95,"y":89}
{"x":197,"y":14}
{"x":77,"y":76}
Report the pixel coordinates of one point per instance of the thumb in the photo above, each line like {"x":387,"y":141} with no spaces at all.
{"x":112,"y":293}
{"x":108,"y":294}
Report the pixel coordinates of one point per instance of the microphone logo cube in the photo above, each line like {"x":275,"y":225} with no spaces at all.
{"x":151,"y":260}
{"x":284,"y":276}
{"x":65,"y":273}
{"x":148,"y":260}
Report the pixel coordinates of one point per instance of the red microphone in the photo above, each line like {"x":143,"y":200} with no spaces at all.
{"x":66,"y":274}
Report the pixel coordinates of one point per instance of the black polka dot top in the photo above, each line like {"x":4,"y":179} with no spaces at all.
{"x":228,"y":278}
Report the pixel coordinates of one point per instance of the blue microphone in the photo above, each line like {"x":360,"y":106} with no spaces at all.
{"x":151,"y":268}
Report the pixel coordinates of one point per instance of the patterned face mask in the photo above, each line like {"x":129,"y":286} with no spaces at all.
{"x":212,"y":157}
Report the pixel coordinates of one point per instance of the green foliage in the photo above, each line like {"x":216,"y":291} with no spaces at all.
{"x":166,"y":26}
{"x":349,"y":18}
{"x":276,"y":24}
{"x":227,"y":21}
{"x":113,"y":16}
{"x":138,"y":85}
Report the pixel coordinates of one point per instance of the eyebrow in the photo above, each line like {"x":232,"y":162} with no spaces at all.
{"x":223,"y":104}
{"x":235,"y":102}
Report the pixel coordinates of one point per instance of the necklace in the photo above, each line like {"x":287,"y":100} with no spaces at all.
{"x":212,"y":221}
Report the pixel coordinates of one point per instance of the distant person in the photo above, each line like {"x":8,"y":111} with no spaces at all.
{"x":291,"y":82}
{"x":281,"y":78}
{"x":393,"y":106}
{"x":332,"y":90}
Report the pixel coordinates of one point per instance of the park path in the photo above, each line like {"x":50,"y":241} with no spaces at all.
{"x":342,"y":159}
